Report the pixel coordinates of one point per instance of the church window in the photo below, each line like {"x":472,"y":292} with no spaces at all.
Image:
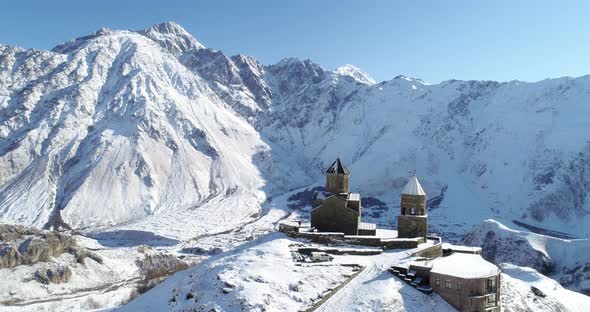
{"x":491,"y":283}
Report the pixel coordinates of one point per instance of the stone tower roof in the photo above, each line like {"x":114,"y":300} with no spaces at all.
{"x":337,"y":167}
{"x":413,"y":187}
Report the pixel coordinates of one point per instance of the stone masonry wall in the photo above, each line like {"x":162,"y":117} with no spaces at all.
{"x":340,"y":238}
{"x":412,"y":226}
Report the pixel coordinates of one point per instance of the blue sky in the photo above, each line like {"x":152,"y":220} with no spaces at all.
{"x":432,"y":40}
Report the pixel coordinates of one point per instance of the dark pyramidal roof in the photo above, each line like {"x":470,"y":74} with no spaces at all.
{"x":337,"y":167}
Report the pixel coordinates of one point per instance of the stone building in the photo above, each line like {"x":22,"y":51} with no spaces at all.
{"x":336,"y":209}
{"x":413,"y":219}
{"x":467,"y":282}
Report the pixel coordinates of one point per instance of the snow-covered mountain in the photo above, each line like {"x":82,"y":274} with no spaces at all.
{"x":174,"y":133}
{"x":150,"y":130}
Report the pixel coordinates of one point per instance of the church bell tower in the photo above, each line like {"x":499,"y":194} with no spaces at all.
{"x":337,"y":178}
{"x":413,"y":219}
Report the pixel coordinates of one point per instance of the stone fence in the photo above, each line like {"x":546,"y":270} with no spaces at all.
{"x":339,"y":238}
{"x":431,"y":251}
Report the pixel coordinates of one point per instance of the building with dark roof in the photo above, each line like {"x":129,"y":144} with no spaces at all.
{"x":336,"y":209}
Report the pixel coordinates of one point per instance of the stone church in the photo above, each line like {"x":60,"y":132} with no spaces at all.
{"x":337,"y":209}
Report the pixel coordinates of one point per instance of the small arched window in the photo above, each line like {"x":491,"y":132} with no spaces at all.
{"x":412,"y":211}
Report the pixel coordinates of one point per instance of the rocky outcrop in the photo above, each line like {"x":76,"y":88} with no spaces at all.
{"x":61,"y":274}
{"x":9,"y":256}
{"x":13,"y":232}
{"x":159,"y":265}
{"x":577,"y":279}
{"x":21,"y":245}
{"x":41,"y":248}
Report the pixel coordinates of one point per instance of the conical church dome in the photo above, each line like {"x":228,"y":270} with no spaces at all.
{"x":337,"y":167}
{"x":413,"y":187}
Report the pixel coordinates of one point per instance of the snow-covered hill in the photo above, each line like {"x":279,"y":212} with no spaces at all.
{"x":261,"y":276}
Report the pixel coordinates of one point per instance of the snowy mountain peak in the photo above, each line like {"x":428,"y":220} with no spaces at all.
{"x":74,"y":44}
{"x":356,"y":73}
{"x":172,"y":37}
{"x":298,"y":69}
{"x":294,"y":62}
{"x":169,"y":28}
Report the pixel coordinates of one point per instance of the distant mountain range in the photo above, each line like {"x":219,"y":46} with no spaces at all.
{"x":151,"y":129}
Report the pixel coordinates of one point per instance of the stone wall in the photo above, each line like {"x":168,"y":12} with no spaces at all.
{"x":402,"y":243}
{"x":339,"y":238}
{"x":412,"y":226}
{"x":333,"y":216}
{"x":431,"y":251}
